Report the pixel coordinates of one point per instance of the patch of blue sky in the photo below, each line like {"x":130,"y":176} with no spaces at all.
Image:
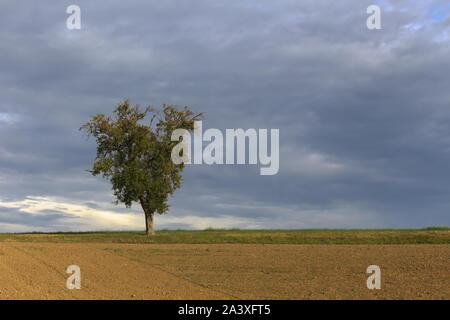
{"x":7,"y":117}
{"x":438,"y":11}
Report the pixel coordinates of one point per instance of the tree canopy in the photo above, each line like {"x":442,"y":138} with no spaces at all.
{"x":134,"y":153}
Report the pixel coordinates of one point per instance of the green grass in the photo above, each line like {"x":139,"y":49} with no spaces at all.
{"x":431,"y":235}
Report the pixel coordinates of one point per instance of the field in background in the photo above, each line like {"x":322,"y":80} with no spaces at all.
{"x":435,"y":235}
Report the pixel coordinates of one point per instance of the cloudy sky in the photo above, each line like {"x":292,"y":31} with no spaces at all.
{"x":363,"y":114}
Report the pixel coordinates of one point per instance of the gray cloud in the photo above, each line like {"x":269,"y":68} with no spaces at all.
{"x":362,"y":114}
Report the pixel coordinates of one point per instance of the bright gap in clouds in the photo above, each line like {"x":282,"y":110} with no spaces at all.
{"x":8,"y":118}
{"x":103,"y":218}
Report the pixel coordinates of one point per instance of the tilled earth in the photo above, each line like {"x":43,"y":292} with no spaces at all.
{"x":222,"y":271}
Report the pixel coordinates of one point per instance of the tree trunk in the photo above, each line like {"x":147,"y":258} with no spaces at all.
{"x":149,"y":224}
{"x":149,"y":219}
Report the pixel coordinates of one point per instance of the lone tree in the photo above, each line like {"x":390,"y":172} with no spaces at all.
{"x":136,"y":157}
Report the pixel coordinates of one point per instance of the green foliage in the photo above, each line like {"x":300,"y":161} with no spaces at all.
{"x":438,"y":228}
{"x":136,"y":156}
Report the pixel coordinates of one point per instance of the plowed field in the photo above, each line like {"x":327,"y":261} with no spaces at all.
{"x":222,"y":271}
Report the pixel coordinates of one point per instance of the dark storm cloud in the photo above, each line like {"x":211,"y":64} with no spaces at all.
{"x":363,"y":115}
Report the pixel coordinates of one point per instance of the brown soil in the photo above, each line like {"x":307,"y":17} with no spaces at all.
{"x":223,"y":271}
